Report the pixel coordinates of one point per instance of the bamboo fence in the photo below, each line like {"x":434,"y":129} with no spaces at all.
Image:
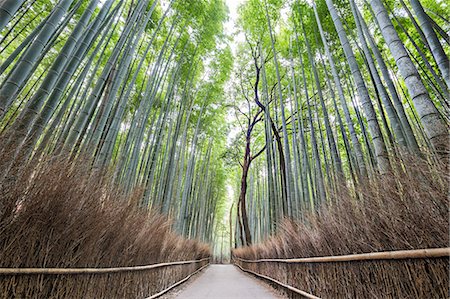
{"x":12,"y":275}
{"x":417,"y":254}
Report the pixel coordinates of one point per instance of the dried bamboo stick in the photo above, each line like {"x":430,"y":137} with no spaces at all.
{"x":177,"y":283}
{"x":386,"y":255}
{"x":69,"y":271}
{"x":295,"y":290}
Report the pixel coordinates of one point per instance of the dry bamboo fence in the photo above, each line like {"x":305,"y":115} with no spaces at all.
{"x":433,"y":261}
{"x":177,"y":283}
{"x":96,"y":282}
{"x":291,"y":288}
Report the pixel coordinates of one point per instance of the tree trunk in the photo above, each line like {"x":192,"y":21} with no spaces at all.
{"x":374,"y":127}
{"x":243,"y":193}
{"x":362,"y":171}
{"x":411,"y":139}
{"x":435,"y":127}
{"x":8,"y":91}
{"x":8,"y":9}
{"x":435,"y":46}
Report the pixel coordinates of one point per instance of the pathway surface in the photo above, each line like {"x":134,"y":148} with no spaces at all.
{"x":225,"y":282}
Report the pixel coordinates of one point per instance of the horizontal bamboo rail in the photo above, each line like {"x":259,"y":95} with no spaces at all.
{"x":291,"y":288}
{"x":386,"y":255}
{"x":177,"y":283}
{"x":71,"y":271}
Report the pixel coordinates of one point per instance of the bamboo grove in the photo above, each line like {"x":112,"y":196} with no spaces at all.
{"x":329,"y":95}
{"x":126,"y":86}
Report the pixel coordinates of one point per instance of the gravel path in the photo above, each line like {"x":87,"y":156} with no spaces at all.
{"x":225,"y":282}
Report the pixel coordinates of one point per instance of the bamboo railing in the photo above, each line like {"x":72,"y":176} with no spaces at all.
{"x":385,"y":255}
{"x":177,"y":283}
{"x":68,"y":271}
{"x":291,"y":288}
{"x":430,"y":253}
{"x":93,"y":271}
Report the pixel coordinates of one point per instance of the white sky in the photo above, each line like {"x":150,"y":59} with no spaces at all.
{"x":232,"y":6}
{"x":230,"y":26}
{"x":230,"y":29}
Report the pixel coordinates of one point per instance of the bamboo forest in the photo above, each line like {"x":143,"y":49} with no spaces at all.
{"x":224,"y":148}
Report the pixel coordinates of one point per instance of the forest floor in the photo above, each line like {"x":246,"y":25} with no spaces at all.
{"x":224,"y":282}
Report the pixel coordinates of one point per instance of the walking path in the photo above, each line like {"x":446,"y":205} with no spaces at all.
{"x":225,"y":282}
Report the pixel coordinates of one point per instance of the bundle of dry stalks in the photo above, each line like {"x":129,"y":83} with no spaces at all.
{"x":58,"y":215}
{"x":405,"y":211}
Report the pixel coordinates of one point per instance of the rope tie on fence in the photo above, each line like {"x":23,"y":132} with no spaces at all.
{"x":70,"y":271}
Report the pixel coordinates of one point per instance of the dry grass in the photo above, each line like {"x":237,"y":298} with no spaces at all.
{"x":57,"y":215}
{"x":395,"y":212}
